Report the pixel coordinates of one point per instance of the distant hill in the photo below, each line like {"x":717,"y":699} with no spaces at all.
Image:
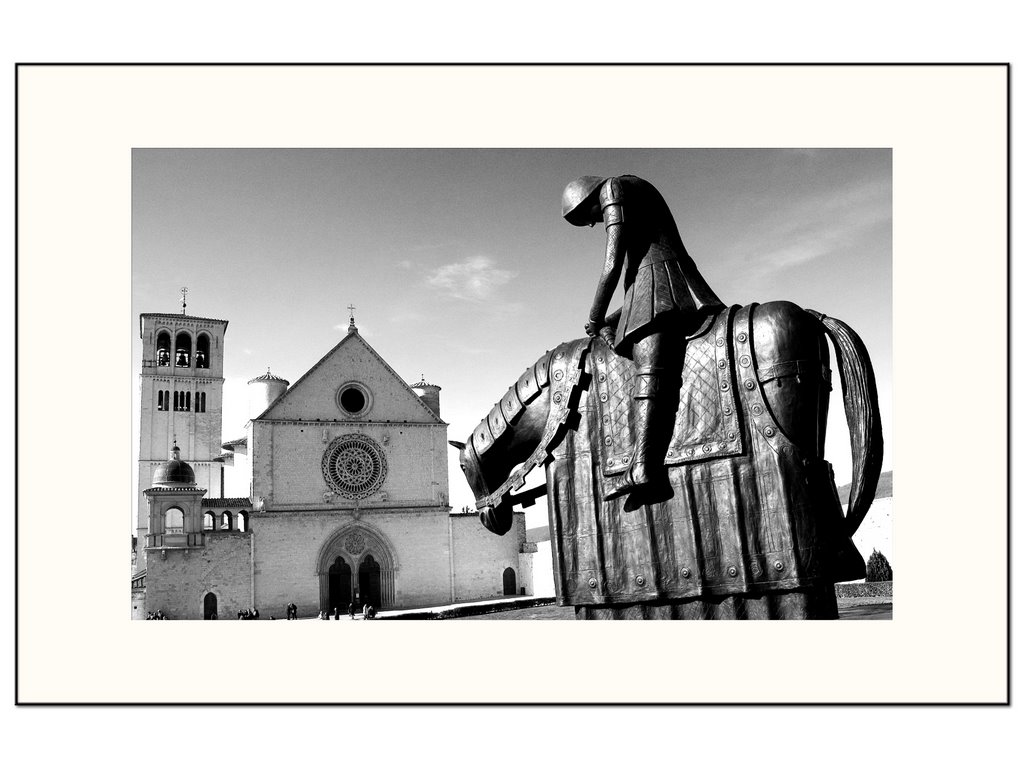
{"x":884,"y":488}
{"x":538,"y":533}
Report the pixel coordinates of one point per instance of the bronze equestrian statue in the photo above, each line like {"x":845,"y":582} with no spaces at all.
{"x":682,"y":440}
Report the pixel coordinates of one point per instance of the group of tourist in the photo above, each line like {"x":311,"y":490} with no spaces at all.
{"x":158,"y":615}
{"x":291,"y":611}
{"x":247,"y":614}
{"x":369,"y":612}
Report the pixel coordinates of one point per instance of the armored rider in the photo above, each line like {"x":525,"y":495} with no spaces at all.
{"x":665,"y":298}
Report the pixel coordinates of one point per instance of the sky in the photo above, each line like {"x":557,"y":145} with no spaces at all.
{"x":462,"y":270}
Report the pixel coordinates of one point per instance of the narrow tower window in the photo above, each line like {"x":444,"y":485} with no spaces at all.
{"x":160,"y":404}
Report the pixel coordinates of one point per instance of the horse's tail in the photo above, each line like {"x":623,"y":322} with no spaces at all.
{"x":860,"y":397}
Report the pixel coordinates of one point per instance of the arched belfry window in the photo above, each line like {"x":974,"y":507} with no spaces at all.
{"x":161,"y":404}
{"x":243,"y":521}
{"x":208,"y":521}
{"x":226,"y":521}
{"x":203,"y":351}
{"x":163,"y":348}
{"x":174,"y":520}
{"x":183,"y":350}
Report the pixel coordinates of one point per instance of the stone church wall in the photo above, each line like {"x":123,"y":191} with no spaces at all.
{"x":288,"y":546}
{"x":288,"y":455}
{"x":481,"y":558}
{"x":178,"y":583}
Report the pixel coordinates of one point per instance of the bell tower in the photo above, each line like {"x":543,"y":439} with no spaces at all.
{"x":180,"y":390}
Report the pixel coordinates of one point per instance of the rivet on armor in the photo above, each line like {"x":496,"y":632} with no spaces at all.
{"x":640,"y":580}
{"x":606,"y":419}
{"x":741,"y":337}
{"x":757,"y":409}
{"x":686,"y":573}
{"x":602,"y":377}
{"x":744,"y":361}
{"x":707,"y":448}
{"x":689,"y":451}
{"x":670,"y":452}
{"x":604,"y":397}
{"x":721,"y":363}
{"x":592,"y":583}
{"x":558,"y":375}
{"x":611,"y":462}
{"x":600,"y":358}
{"x":727,"y":411}
{"x":748,"y":384}
{"x":719,"y":342}
{"x":769,"y":432}
{"x":558,"y":397}
{"x":724,"y":386}
{"x":559,"y":355}
{"x":732,"y":570}
{"x":732,"y":435}
{"x":721,"y":446}
{"x":778,"y":565}
{"x":625,"y":459}
{"x":607,"y":441}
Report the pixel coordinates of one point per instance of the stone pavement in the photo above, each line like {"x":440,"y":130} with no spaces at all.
{"x":543,"y":609}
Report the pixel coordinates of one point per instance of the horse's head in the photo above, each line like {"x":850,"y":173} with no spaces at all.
{"x":496,"y":519}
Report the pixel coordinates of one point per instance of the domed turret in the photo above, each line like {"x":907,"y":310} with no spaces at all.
{"x":263,"y":391}
{"x":174,"y":473}
{"x":430,"y":394}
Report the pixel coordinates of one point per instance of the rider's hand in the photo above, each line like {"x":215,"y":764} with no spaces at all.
{"x":608,"y":335}
{"x":592,"y":328}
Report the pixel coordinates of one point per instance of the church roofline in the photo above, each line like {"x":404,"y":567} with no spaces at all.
{"x":348,"y":337}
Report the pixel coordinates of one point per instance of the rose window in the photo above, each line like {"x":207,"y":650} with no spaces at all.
{"x":354,"y":466}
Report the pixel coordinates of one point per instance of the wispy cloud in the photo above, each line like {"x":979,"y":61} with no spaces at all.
{"x":818,"y":229}
{"x":475,"y":279}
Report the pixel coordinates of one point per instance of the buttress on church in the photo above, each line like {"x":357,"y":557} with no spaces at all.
{"x":337,"y":492}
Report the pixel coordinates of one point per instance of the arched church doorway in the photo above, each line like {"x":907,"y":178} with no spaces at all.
{"x":339,"y":585}
{"x":369,"y":581}
{"x":209,"y":606}
{"x":508,"y":581}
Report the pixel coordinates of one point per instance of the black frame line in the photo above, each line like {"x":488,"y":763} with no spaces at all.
{"x":781,"y":65}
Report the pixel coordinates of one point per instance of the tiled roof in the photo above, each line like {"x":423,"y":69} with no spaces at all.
{"x":243,"y":501}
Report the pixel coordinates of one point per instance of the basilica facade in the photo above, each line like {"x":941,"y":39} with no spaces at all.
{"x":337,"y":493}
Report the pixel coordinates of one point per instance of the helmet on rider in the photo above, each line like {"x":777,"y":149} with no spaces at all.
{"x":576,"y":196}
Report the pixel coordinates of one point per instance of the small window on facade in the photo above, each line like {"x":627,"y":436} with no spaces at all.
{"x":203,"y":396}
{"x":167,"y":400}
{"x":203,"y":351}
{"x":183,"y":350}
{"x":188,"y":401}
{"x":174,"y":521}
{"x":225,"y":521}
{"x":160,"y":405}
{"x":163,"y":348}
{"x":208,"y":521}
{"x":243,"y":521}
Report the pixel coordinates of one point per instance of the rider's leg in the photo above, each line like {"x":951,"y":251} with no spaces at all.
{"x":651,"y":436}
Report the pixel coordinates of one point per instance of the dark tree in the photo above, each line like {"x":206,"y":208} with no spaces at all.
{"x":878,"y":567}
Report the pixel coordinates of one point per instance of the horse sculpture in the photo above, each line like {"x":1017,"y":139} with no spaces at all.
{"x":750,"y":524}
